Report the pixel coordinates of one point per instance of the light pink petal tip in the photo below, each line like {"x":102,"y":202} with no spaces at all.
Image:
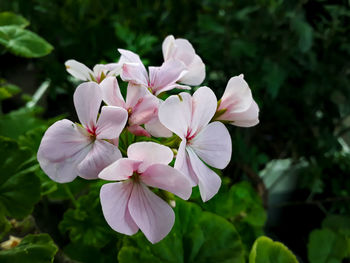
{"x":151,"y":214}
{"x":78,"y":70}
{"x":114,"y":201}
{"x":111,"y":94}
{"x":122,"y":169}
{"x":87,"y":101}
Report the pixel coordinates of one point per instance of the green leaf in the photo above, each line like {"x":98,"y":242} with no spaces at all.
{"x":197,"y":236}
{"x":32,"y":249}
{"x":19,"y":186}
{"x":9,"y":18}
{"x":86,"y":223}
{"x":326,"y":246}
{"x":22,"y":42}
{"x":8,"y":91}
{"x":303,"y":30}
{"x":265,"y":250}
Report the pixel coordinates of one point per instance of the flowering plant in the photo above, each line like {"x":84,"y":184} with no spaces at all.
{"x":162,"y":125}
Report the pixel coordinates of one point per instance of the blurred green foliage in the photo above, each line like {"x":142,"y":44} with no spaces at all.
{"x":295,"y":57}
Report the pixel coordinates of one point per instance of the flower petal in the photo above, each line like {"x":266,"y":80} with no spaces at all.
{"x":134,"y":73}
{"x":237,"y":96}
{"x":87,"y":101}
{"x":196,"y":72}
{"x":61,"y":141}
{"x":121,"y":169}
{"x":157,"y":129}
{"x":111,"y":122}
{"x":78,"y":70}
{"x":167,"y":178}
{"x":162,"y":77}
{"x":208,"y":181}
{"x":138,"y":130}
{"x":175,"y":113}
{"x":129,"y":56}
{"x":101,"y":155}
{"x":65,"y":170}
{"x":204,"y":106}
{"x":151,"y":214}
{"x":111,"y":94}
{"x":168,"y":47}
{"x":213,"y":145}
{"x":182,"y":163}
{"x":247,"y":118}
{"x":114,"y":201}
{"x":150,"y":153}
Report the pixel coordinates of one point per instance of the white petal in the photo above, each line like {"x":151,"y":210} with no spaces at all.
{"x":152,"y":215}
{"x":196,"y":72}
{"x":100,"y":156}
{"x":213,"y":145}
{"x":111,"y":122}
{"x":157,"y":129}
{"x":168,"y":47}
{"x":114,"y":201}
{"x":182,"y":163}
{"x":167,"y":178}
{"x":78,"y":70}
{"x":204,"y":106}
{"x":175,"y":113}
{"x":208,"y":181}
{"x":122,"y":169}
{"x":87,"y":101}
{"x":134,"y":73}
{"x":111,"y":94}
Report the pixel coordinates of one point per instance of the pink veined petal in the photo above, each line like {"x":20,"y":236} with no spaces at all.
{"x":101,"y":155}
{"x":237,"y":96}
{"x":129,"y":56}
{"x":134,"y":73}
{"x":138,"y":130}
{"x":184,"y":51}
{"x":213,"y":145}
{"x":134,"y":93}
{"x":65,"y":170}
{"x":182,"y":163}
{"x":111,"y":122}
{"x":114,"y":201}
{"x":87,"y":101}
{"x":208,"y":181}
{"x":120,"y":170}
{"x":247,"y":118}
{"x":168,"y":47}
{"x":175,"y":113}
{"x":62,"y":140}
{"x":157,"y":129}
{"x":149,"y":153}
{"x":204,"y":105}
{"x":98,"y":70}
{"x":78,"y":70}
{"x":196,"y":72}
{"x":166,"y":75}
{"x":151,"y":214}
{"x":111,"y":94}
{"x":167,"y":178}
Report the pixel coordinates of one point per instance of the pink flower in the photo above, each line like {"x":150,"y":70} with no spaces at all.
{"x":237,"y":105}
{"x":182,"y":50}
{"x":69,"y":149}
{"x":129,"y":204}
{"x":99,"y":72}
{"x":188,"y":117}
{"x":140,"y":104}
{"x":158,"y":80}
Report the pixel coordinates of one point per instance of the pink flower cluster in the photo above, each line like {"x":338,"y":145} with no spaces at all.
{"x":194,"y":125}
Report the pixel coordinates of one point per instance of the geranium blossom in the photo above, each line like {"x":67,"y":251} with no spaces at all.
{"x":140,"y":104}
{"x":129,"y":205}
{"x":158,"y":80}
{"x":68,"y":149}
{"x":182,"y":50}
{"x":99,"y":72}
{"x":237,"y":105}
{"x":189,"y":117}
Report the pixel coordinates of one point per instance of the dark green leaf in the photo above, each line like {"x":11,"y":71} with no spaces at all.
{"x":265,"y":250}
{"x":7,"y":91}
{"x":19,"y":188}
{"x":32,"y":249}
{"x":197,"y":236}
{"x":9,"y":18}
{"x":22,"y":42}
